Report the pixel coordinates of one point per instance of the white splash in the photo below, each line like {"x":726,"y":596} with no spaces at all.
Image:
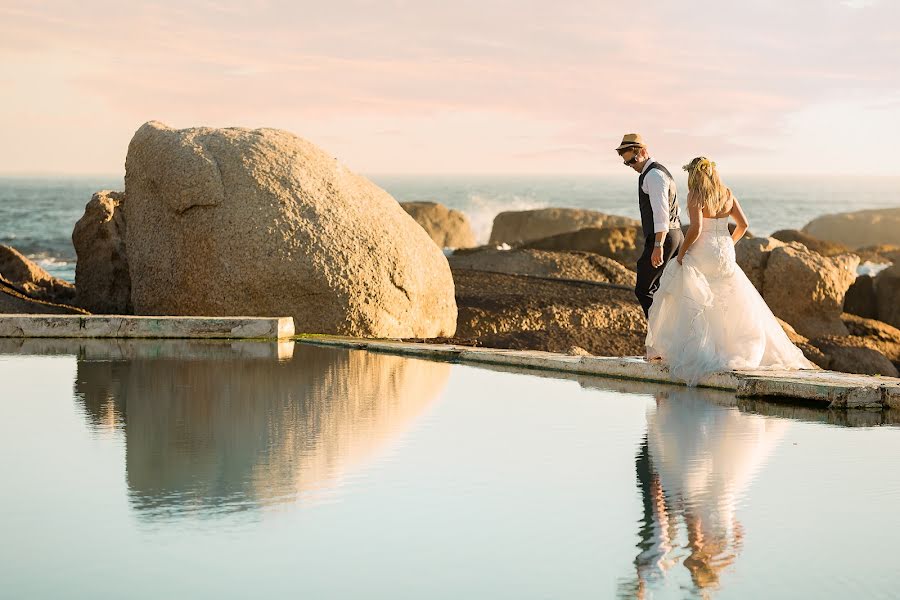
{"x":481,"y":211}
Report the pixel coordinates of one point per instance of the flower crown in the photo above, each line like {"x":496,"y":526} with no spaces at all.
{"x":702,"y":163}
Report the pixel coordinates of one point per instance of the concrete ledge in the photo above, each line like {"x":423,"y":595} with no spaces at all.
{"x":120,"y":326}
{"x":823,"y":388}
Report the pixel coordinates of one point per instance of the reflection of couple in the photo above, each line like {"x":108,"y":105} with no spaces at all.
{"x":694,"y":465}
{"x":703,"y":313}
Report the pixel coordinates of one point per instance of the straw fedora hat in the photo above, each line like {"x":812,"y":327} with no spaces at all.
{"x":631,"y":140}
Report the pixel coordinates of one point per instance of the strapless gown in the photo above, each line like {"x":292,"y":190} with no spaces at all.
{"x":706,"y":316}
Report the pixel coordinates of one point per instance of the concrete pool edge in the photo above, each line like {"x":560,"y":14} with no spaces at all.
{"x":824,"y":388}
{"x":156,"y":327}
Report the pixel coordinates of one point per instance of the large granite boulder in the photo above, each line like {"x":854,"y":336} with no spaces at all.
{"x":30,"y":279}
{"x":261,"y":222}
{"x":515,"y":227}
{"x":102,"y":280}
{"x":858,"y":229}
{"x":887,"y":292}
{"x":823,"y":247}
{"x":807,"y":289}
{"x":623,"y":244}
{"x":501,"y":310}
{"x":448,"y":228}
{"x":583,"y":266}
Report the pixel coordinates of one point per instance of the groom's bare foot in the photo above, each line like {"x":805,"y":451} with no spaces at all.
{"x":653,"y":358}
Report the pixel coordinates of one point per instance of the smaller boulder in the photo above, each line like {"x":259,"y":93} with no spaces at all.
{"x":14,"y":302}
{"x":515,"y":227}
{"x":861,"y":299}
{"x":887,"y":293}
{"x":858,"y":229}
{"x":752,"y":256}
{"x":33,"y":281}
{"x":448,"y":228}
{"x":881,"y":336}
{"x":823,"y":247}
{"x":102,"y":279}
{"x":582,"y":266}
{"x":623,"y":244}
{"x":853,"y":354}
{"x":807,"y":289}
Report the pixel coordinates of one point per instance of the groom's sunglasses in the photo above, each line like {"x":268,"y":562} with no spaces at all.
{"x":630,"y":161}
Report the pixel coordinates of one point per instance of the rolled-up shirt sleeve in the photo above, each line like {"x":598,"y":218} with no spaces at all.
{"x":657,"y":186}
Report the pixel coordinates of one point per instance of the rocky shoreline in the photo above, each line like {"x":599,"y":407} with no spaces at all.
{"x":262,"y":223}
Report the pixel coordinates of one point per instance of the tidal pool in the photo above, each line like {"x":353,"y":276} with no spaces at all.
{"x":180,"y":469}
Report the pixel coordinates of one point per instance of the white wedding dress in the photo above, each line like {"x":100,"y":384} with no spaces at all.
{"x":706,"y":316}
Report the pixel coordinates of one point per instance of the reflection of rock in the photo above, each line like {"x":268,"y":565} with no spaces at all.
{"x":29,"y":278}
{"x":263,"y":223}
{"x":101,"y":273}
{"x":222,"y":431}
{"x":514,"y":227}
{"x":448,"y":228}
{"x":858,"y":229}
{"x":584,"y":266}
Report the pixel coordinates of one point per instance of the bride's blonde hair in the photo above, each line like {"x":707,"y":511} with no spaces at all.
{"x":704,"y":185}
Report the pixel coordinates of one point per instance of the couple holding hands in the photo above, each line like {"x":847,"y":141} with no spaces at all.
{"x":703,"y":313}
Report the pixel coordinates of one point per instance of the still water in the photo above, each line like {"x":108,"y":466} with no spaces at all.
{"x":177,"y":469}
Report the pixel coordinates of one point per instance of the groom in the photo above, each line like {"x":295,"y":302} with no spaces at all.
{"x":659,"y":216}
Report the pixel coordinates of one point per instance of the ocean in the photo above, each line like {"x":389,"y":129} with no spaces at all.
{"x":37,"y":214}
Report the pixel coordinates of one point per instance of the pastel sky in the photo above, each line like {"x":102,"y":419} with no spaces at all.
{"x":493,"y":86}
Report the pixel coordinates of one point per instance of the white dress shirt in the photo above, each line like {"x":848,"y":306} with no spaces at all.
{"x":656,"y":185}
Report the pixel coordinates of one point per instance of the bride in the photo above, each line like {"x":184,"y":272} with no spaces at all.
{"x":706,"y":316}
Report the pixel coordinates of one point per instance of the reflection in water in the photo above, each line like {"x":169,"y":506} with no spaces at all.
{"x":693,"y":467}
{"x":217,"y":428}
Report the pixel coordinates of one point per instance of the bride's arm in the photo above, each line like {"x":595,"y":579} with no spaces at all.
{"x":740,"y":220}
{"x":693,"y":232}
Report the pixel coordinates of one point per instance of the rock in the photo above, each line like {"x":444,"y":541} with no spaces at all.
{"x":809,"y":351}
{"x":823,"y":247}
{"x":858,"y":229}
{"x":623,"y":244}
{"x":860,"y":298}
{"x":880,"y":336}
{"x":887,"y":292}
{"x":510,"y":311}
{"x":263,"y":223}
{"x":515,"y":227}
{"x":879,"y":254}
{"x":752,"y":256}
{"x":807,"y":289}
{"x":852,"y":354}
{"x":447,"y":227}
{"x":542,"y":263}
{"x":31,"y":280}
{"x":103,"y":284}
{"x":14,"y":302}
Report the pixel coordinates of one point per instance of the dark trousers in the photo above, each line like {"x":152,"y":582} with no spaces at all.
{"x":648,"y":275}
